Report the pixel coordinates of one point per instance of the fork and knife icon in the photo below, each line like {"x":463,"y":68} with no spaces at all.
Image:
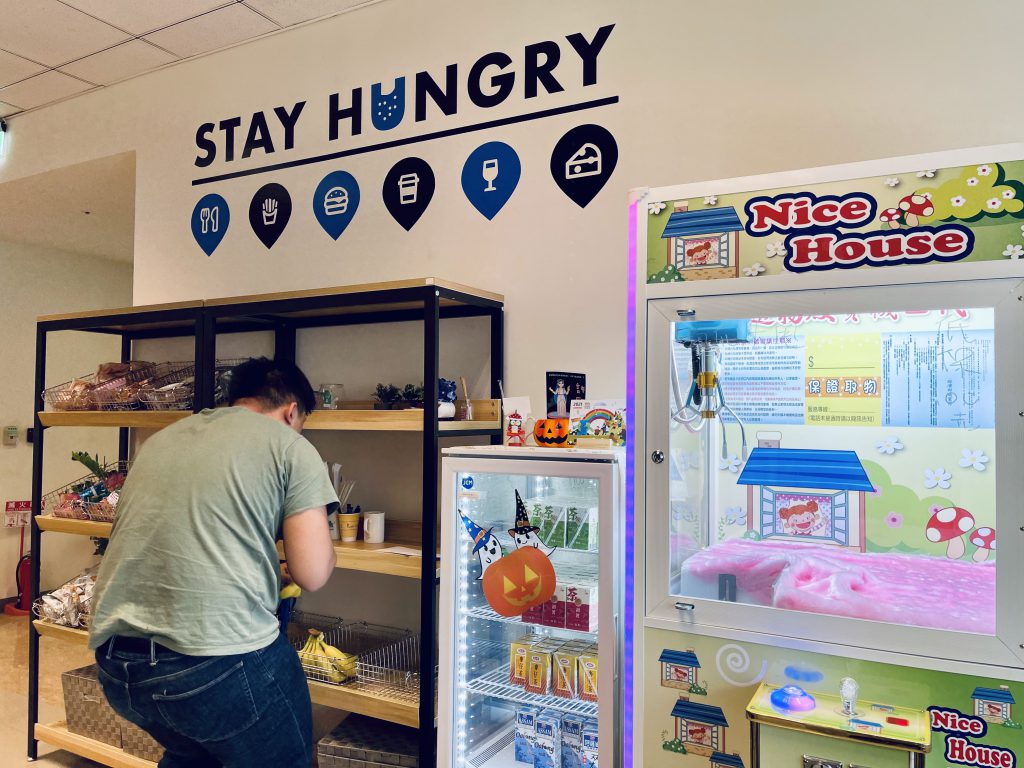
{"x":209,"y":219}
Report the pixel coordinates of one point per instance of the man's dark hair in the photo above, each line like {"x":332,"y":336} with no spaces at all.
{"x":271,"y":382}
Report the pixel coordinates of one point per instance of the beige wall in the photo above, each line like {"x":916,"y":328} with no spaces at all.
{"x":35,"y":281}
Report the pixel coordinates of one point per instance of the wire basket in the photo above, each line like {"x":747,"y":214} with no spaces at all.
{"x":369,"y":643}
{"x":174,"y":391}
{"x":83,"y":500}
{"x":90,"y":393}
{"x":222,"y":378}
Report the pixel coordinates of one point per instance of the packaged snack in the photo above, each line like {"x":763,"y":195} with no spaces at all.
{"x":588,"y":758}
{"x":581,"y":528}
{"x":565,"y":670}
{"x":572,"y":741}
{"x":588,"y":674}
{"x":581,"y":606}
{"x":526,"y":733}
{"x":553,"y":613}
{"x":519,"y":660}
{"x":547,"y":751}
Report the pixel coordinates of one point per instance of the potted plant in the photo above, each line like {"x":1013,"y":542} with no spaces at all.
{"x":386,"y":395}
{"x":446,"y":399}
{"x":412,"y":396}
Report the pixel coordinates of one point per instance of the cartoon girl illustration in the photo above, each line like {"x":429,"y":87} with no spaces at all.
{"x":800,"y":519}
{"x":700,"y":253}
{"x":561,"y":392}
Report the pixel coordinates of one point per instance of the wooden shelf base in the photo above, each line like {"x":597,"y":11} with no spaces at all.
{"x":46,"y":629}
{"x":58,"y":735}
{"x":78,"y":527}
{"x":139,"y":419}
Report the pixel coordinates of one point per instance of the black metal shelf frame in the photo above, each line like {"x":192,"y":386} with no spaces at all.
{"x":428,"y":304}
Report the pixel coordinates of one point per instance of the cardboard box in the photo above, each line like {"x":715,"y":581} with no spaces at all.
{"x":588,"y":675}
{"x":547,"y":752}
{"x":365,"y":742}
{"x":526,"y":733}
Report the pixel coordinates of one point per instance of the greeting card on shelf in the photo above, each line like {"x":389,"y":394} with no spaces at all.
{"x":592,"y":420}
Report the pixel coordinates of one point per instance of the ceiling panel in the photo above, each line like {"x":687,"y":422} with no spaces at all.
{"x":42,"y":89}
{"x":8,"y":109}
{"x":141,"y":16}
{"x":288,"y":12}
{"x":14,"y":68}
{"x":118,"y":63}
{"x":52,"y":33}
{"x":214,"y":30}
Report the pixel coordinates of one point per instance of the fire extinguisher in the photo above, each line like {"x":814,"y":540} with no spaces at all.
{"x":23,"y":579}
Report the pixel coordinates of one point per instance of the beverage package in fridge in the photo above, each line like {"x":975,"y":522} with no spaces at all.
{"x":572,"y":740}
{"x":588,"y":758}
{"x":519,"y":658}
{"x":547,"y":750}
{"x":538,"y":676}
{"x":550,"y":518}
{"x":553,"y":614}
{"x":588,"y":674}
{"x":581,"y":526}
{"x":581,"y":606}
{"x":526,"y":733}
{"x":565,"y":670}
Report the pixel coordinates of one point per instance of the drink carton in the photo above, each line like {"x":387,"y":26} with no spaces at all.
{"x":526,"y":733}
{"x":519,"y":660}
{"x":588,"y":674}
{"x":581,"y":527}
{"x":547,"y":752}
{"x":553,"y":614}
{"x":565,"y":672}
{"x":581,"y":607}
{"x":590,"y":743}
{"x":538,"y":677}
{"x":572,"y":741}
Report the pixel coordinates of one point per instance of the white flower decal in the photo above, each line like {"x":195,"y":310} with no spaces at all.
{"x":892,"y":181}
{"x":972,"y":182}
{"x":773,"y":249}
{"x":994,"y":204}
{"x":753,"y":270}
{"x":655,"y":208}
{"x":928,"y":173}
{"x":937,"y":478}
{"x":710,"y":199}
{"x":1008,"y":194}
{"x":984,"y":170}
{"x":1013,"y":251}
{"x":976,"y":459}
{"x":957,"y":201}
{"x":889,"y":446}
{"x":732,"y":464}
{"x":1022,"y":230}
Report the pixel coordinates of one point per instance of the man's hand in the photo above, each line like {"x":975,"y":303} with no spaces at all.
{"x":308,"y":549}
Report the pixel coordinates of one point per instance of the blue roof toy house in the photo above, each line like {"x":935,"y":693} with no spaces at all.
{"x":679,"y":669}
{"x":704,"y":244}
{"x":721,"y":760}
{"x":700,"y":727}
{"x":993,"y":704}
{"x":806,"y":495}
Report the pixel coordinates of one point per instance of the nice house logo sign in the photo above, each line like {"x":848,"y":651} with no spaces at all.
{"x":582,"y":160}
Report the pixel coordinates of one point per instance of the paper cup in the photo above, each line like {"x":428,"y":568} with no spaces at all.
{"x":349,"y":522}
{"x":373,"y":527}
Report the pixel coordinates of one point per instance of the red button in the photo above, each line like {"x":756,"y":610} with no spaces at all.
{"x":897,"y":721}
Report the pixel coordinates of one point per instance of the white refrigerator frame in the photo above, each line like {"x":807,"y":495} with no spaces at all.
{"x":606,"y":466}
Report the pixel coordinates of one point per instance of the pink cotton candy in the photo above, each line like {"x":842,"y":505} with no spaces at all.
{"x":918,"y":590}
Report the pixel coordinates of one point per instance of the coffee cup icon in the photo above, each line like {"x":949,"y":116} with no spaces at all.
{"x":408,"y":188}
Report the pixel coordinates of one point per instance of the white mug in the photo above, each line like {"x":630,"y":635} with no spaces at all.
{"x":373,"y":527}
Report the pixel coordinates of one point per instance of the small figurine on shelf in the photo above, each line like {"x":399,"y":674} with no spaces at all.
{"x":446,"y":395}
{"x":515,"y":435}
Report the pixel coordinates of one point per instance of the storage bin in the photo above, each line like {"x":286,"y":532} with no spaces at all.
{"x":137,"y":742}
{"x":363,"y":742}
{"x":88,"y":713}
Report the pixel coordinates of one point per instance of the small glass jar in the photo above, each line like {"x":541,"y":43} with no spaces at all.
{"x":331,"y":396}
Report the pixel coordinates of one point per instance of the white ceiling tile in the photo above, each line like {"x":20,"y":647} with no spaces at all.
{"x":14,"y":68}
{"x":8,"y":109}
{"x":141,"y":16}
{"x":42,"y":89}
{"x":288,"y":12}
{"x":211,"y":31}
{"x":118,"y":63}
{"x":52,"y":33}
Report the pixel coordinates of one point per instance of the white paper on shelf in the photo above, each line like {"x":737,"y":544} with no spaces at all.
{"x":404,"y":551}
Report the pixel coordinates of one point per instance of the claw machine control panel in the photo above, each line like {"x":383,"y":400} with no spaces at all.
{"x":530,"y":608}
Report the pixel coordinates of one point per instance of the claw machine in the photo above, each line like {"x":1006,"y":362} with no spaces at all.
{"x":827,"y":462}
{"x":531,"y":648}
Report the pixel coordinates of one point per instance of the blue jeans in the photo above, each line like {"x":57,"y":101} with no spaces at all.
{"x":211,"y":711}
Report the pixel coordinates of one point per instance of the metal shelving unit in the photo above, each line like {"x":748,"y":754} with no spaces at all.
{"x":427,"y":301}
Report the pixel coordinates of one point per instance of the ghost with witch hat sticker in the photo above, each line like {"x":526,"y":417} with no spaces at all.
{"x":525,"y":535}
{"x":485,"y":544}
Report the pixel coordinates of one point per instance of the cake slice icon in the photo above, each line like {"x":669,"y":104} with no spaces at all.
{"x":585,"y":161}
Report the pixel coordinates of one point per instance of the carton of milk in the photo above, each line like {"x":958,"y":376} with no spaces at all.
{"x":526,"y":733}
{"x":572,"y":741}
{"x":547,"y":750}
{"x":589,"y":752}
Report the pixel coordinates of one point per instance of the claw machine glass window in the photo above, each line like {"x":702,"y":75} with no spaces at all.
{"x":846,"y":454}
{"x":529,"y":591}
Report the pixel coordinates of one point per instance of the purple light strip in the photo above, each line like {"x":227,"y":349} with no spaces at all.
{"x":628,"y":628}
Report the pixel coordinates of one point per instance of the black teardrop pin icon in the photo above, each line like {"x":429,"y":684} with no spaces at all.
{"x":269,"y":212}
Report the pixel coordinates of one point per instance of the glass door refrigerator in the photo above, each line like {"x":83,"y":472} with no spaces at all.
{"x":531,"y":608}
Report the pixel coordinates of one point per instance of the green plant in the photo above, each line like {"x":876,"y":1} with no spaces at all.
{"x":413,"y":393}
{"x":387,"y":394}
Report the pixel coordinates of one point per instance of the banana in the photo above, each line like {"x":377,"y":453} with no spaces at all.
{"x":343,"y":662}
{"x":326,"y":660}
{"x":290,"y":590}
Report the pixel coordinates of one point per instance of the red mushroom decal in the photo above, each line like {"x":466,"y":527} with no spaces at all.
{"x":891,"y":216}
{"x":950,"y":524}
{"x":914,"y":206}
{"x":985,"y":540}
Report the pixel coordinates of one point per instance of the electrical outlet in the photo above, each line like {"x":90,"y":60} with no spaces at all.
{"x":821,"y":762}
{"x":10,"y":436}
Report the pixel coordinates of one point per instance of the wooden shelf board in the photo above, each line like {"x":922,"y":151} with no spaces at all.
{"x":362,"y":288}
{"x":360,"y":416}
{"x":141,"y":419}
{"x":351,"y":698}
{"x":58,"y":735}
{"x":100,"y":313}
{"x":46,"y":629}
{"x":78,"y":527}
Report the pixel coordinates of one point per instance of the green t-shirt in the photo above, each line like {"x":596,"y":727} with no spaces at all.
{"x":192,"y":561}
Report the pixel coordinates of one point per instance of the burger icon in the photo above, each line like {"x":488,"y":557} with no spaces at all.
{"x":336,"y":201}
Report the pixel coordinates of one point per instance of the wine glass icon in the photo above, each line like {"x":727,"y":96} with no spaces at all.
{"x":490,"y":173}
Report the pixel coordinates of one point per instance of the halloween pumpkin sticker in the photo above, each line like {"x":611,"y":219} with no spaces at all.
{"x":519,"y":581}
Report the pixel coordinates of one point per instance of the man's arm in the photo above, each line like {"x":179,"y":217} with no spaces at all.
{"x":308,"y":548}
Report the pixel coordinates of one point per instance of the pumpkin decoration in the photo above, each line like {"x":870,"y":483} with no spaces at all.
{"x":551,"y":433}
{"x":519,"y":581}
